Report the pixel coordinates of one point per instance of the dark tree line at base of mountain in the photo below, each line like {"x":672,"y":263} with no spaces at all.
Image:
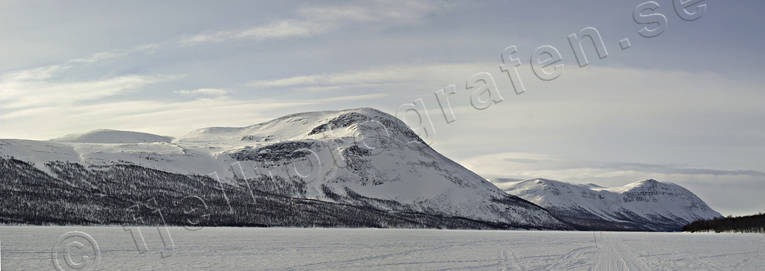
{"x":585,"y":221}
{"x":752,"y":223}
{"x":129,"y":194}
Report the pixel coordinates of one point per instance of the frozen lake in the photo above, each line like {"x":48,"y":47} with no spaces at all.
{"x":30,"y":248}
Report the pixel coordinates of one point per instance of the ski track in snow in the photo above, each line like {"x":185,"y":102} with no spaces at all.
{"x":614,"y":255}
{"x":573,"y":258}
{"x":338,"y":264}
{"x":28,"y":248}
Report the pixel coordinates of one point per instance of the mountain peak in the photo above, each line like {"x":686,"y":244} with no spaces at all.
{"x":544,"y":182}
{"x":646,"y":185}
{"x":541,"y":180}
{"x":649,"y":182}
{"x":307,"y":125}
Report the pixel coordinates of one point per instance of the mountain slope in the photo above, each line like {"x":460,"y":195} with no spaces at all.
{"x":647,"y":205}
{"x":360,"y":157}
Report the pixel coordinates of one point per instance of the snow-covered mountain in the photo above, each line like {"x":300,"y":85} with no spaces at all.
{"x":645,"y":205}
{"x":358,"y":157}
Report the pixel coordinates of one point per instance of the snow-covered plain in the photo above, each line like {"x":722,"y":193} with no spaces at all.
{"x":29,"y":248}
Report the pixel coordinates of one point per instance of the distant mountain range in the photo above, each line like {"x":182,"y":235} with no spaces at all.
{"x":647,"y":205}
{"x":358,"y":168}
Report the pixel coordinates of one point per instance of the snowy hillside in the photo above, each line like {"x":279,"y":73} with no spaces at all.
{"x":358,"y":157}
{"x":113,"y":136}
{"x":643,"y":205}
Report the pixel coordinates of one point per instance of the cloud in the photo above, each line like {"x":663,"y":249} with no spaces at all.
{"x":50,"y":84}
{"x":283,"y":29}
{"x":392,"y":12}
{"x":275,"y":30}
{"x":377,"y":76}
{"x":39,"y":87}
{"x":527,"y":166}
{"x":352,"y":98}
{"x":106,"y":55}
{"x":313,"y":21}
{"x":202,"y":92}
{"x":31,"y":94}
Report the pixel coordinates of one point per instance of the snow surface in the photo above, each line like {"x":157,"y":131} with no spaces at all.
{"x":29,"y":248}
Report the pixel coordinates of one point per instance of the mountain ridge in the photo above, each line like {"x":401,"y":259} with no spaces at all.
{"x":646,"y":205}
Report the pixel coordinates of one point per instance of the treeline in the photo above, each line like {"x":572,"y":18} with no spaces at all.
{"x":752,"y":223}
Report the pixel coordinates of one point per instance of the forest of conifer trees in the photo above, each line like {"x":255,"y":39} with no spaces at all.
{"x":132,"y":195}
{"x":752,"y":223}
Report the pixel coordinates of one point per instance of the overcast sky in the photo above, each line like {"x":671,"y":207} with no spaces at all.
{"x":686,"y":106}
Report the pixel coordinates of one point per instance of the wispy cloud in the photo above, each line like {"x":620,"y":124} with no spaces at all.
{"x":106,"y":55}
{"x":31,"y":94}
{"x":351,"y":98}
{"x":386,"y":75}
{"x":23,"y":90}
{"x":41,"y":87}
{"x":275,"y":30}
{"x":527,"y":166}
{"x":311,"y":21}
{"x":202,"y":92}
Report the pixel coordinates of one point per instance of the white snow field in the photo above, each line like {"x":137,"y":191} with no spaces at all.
{"x":30,"y":248}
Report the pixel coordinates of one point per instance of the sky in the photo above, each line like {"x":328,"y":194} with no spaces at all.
{"x":684,"y":106}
